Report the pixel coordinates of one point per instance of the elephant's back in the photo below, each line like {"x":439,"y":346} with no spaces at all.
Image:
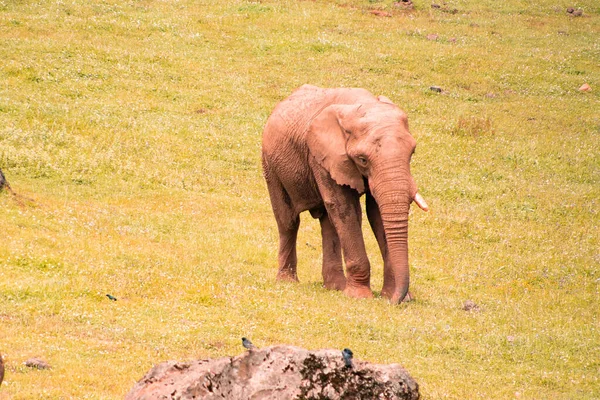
{"x":299,"y":109}
{"x":295,"y":113}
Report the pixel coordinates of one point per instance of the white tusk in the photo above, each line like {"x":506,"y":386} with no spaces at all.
{"x":421,"y":202}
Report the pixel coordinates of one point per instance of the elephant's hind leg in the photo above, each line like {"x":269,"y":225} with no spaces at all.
{"x":333,"y":269}
{"x":288,"y":222}
{"x":288,"y":260}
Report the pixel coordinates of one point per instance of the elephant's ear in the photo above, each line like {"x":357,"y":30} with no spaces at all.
{"x":326,"y":139}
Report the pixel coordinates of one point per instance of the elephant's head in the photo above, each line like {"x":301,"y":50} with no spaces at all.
{"x":372,"y":141}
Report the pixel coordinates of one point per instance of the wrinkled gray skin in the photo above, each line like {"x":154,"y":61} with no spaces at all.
{"x":322,"y":149}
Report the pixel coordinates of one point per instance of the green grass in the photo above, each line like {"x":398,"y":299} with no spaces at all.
{"x":135,"y":128}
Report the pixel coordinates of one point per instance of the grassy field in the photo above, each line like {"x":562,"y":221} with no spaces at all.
{"x":133,"y":128}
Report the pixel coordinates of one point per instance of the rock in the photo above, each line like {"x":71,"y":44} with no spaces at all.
{"x":405,"y":4}
{"x":380,"y":13}
{"x":452,"y":40}
{"x":585,"y":88}
{"x":37,"y":363}
{"x":1,"y":369}
{"x":436,"y":89}
{"x":435,"y":6}
{"x":574,"y":12}
{"x":432,"y":36}
{"x":470,"y":306}
{"x":277,"y":372}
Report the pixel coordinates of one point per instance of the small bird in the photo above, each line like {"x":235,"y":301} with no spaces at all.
{"x":247,"y":343}
{"x":111,"y":297}
{"x":347,"y":356}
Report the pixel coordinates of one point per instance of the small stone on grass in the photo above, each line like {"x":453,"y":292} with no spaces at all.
{"x":37,"y":363}
{"x":380,"y":13}
{"x":405,"y":4}
{"x":585,"y":88}
{"x":470,"y":306}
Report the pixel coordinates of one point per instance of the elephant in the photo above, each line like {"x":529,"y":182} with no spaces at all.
{"x":322,"y":149}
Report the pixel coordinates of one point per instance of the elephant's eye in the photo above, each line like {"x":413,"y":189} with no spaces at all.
{"x":362,"y":161}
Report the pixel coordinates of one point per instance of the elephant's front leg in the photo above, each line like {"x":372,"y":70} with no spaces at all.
{"x":346,"y":217}
{"x":374,"y":217}
{"x":333,"y":269}
{"x":343,"y":208}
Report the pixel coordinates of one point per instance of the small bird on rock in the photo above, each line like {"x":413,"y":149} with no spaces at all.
{"x":347,"y":356}
{"x":247,"y":343}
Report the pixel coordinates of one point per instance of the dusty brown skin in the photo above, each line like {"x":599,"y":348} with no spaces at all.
{"x":324,"y":148}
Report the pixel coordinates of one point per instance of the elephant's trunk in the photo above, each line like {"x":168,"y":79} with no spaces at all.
{"x":394,"y":206}
{"x":395,"y":225}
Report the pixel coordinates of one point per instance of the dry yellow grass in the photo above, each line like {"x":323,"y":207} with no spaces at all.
{"x":135,"y":128}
